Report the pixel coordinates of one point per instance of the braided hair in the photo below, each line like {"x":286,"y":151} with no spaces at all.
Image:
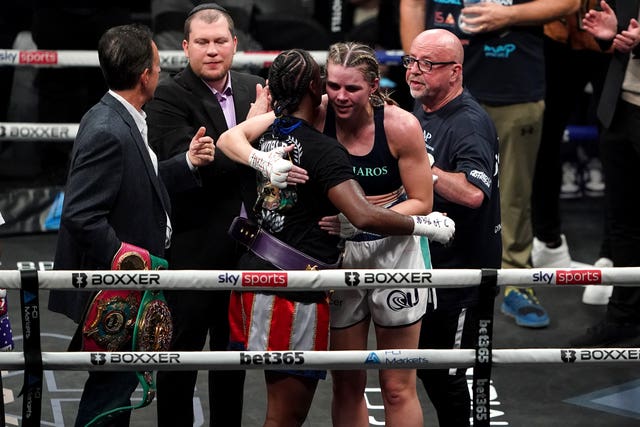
{"x":289,"y":77}
{"x":363,"y":57}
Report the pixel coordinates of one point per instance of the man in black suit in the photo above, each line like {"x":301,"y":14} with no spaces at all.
{"x":205,"y":93}
{"x":117,"y":193}
{"x":619,"y":112}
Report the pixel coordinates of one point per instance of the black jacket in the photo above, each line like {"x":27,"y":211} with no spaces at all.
{"x":201,"y":217}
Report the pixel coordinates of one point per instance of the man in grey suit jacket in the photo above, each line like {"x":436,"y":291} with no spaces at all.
{"x":206,"y":93}
{"x":619,"y":111}
{"x":117,"y":193}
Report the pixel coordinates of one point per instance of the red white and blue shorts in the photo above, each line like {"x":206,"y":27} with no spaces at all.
{"x":270,"y":322}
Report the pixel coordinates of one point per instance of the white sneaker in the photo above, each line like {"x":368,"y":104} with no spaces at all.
{"x":598,"y":295}
{"x":571,"y":187}
{"x":593,"y":178}
{"x":544,"y":257}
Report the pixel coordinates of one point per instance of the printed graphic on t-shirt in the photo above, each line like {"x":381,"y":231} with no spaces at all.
{"x":274,"y":202}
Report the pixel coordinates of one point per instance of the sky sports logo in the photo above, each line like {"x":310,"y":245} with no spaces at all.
{"x":272,"y":280}
{"x":38,"y":57}
{"x":569,"y":277}
{"x":28,"y":57}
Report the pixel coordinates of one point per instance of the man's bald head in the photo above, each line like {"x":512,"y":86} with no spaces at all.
{"x":444,"y":42}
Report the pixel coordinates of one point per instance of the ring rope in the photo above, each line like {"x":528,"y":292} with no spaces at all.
{"x":34,"y":361}
{"x":301,"y":360}
{"x":323,"y":279}
{"x":22,"y":131}
{"x":169,"y":59}
{"x":63,"y":132}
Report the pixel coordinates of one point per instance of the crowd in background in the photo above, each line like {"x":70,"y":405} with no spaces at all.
{"x":53,"y":96}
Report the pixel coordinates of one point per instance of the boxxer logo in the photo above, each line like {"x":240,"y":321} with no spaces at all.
{"x":351,"y":278}
{"x":98,"y":358}
{"x":568,"y":356}
{"x":79,"y":280}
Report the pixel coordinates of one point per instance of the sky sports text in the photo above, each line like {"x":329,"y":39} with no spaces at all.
{"x":569,"y":277}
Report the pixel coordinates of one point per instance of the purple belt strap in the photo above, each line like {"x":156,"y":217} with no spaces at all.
{"x":272,"y":249}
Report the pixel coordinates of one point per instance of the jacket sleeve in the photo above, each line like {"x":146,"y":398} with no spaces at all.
{"x":92,"y":190}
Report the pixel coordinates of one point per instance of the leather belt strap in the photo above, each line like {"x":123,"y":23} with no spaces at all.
{"x":272,"y":249}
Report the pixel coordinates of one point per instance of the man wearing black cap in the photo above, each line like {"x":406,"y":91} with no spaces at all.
{"x":206,"y":93}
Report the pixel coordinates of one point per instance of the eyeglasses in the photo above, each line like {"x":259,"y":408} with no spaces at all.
{"x":424,"y":65}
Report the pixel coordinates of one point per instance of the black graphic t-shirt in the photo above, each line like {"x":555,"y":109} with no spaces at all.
{"x":292,"y":214}
{"x":502,"y":67}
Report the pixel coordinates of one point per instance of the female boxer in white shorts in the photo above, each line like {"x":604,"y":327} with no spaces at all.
{"x":386,"y":147}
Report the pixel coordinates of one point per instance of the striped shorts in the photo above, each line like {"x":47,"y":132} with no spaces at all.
{"x":269,"y":322}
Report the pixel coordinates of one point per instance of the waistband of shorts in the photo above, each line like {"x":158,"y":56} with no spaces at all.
{"x":366,"y":237}
{"x":400,"y":196}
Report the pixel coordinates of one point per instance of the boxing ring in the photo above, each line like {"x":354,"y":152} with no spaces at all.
{"x":33,"y":360}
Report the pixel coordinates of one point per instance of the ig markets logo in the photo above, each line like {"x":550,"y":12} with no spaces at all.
{"x":372,"y":358}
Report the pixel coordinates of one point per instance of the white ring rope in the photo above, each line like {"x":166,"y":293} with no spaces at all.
{"x":324,"y":279}
{"x":169,"y":59}
{"x":17,"y":131}
{"x":300,"y":360}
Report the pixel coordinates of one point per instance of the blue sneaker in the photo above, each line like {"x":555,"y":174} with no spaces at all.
{"x":523,"y":305}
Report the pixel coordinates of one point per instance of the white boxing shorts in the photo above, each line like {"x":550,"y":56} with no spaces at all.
{"x":388,"y":307}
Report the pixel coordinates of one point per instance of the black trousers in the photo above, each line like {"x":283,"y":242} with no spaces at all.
{"x":620,"y":152}
{"x":105,"y":391}
{"x":447,"y":388}
{"x":196,"y":316}
{"x":567,"y":73}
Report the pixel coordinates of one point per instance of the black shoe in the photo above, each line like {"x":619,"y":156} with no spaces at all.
{"x":609,"y":334}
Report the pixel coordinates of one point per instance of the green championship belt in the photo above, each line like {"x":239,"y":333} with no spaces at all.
{"x":152,"y":332}
{"x":121,"y":319}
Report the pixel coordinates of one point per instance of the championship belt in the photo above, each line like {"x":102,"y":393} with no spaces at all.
{"x":110,"y":320}
{"x":120,"y":320}
{"x":152,"y":332}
